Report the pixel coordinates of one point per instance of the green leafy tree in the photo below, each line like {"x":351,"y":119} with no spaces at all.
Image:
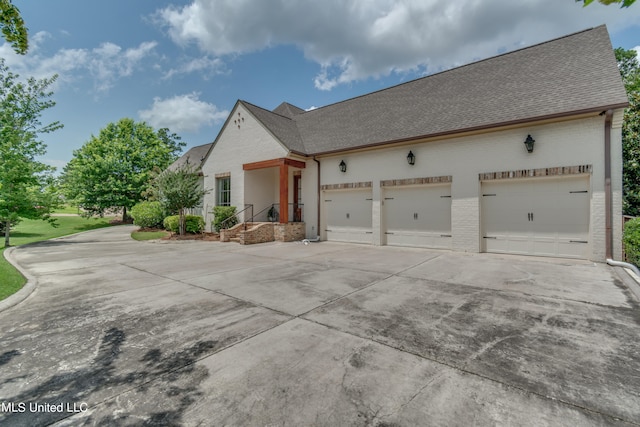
{"x":629,"y":68}
{"x":178,"y":190}
{"x":26,"y":185}
{"x":623,"y":3}
{"x":13,"y":27}
{"x":631,"y":156}
{"x":630,"y":71}
{"x":112,"y":170}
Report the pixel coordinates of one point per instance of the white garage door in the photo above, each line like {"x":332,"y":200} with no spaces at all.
{"x":418,"y":216}
{"x":544,"y":216}
{"x":348,"y":215}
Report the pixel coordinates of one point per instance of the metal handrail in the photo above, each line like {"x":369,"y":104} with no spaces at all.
{"x":253,"y":216}
{"x":249,"y":206}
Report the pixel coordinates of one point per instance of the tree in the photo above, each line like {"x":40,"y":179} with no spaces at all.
{"x":631,"y":156}
{"x":630,"y":71}
{"x":112,"y":170}
{"x":25,"y":183}
{"x":178,"y":190}
{"x":13,"y":28}
{"x":625,"y":3}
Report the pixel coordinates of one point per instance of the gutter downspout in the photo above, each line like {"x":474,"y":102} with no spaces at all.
{"x":318,"y":201}
{"x":608,"y":202}
{"x":624,"y":265}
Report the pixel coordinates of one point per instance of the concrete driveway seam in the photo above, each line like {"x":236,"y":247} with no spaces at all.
{"x":169,"y":372}
{"x":472,"y":373}
{"x":32,"y":282}
{"x":375,"y":282}
{"x":25,"y":291}
{"x":215,"y":291}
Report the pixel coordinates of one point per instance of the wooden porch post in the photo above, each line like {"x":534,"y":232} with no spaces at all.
{"x":284,"y":193}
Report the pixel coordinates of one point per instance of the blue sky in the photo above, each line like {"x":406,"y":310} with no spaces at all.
{"x":183,"y":64}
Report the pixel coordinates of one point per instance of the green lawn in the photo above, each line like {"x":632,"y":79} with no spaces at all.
{"x":66,"y":209}
{"x":148,"y":235}
{"x":11,"y":279}
{"x":29,"y":231}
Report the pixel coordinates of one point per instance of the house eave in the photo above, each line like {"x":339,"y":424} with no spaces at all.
{"x":477,"y":129}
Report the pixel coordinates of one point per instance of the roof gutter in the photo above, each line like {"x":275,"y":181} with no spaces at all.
{"x":608,"y":201}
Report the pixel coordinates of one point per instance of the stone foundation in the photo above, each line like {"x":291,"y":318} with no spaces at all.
{"x":226,"y":234}
{"x":289,"y":232}
{"x":258,"y":233}
{"x":261,"y":232}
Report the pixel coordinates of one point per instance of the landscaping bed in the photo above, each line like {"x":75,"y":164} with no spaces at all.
{"x":149,"y":233}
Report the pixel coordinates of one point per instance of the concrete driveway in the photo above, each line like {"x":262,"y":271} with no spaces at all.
{"x":131,"y":333}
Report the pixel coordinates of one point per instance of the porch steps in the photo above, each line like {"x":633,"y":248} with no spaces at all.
{"x":262,"y":232}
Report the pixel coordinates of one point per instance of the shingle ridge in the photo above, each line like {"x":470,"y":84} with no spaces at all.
{"x":454,"y":69}
{"x":266,"y":110}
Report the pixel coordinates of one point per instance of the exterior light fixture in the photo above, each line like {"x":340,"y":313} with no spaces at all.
{"x":343,"y":166}
{"x":529,"y":143}
{"x":411,"y":158}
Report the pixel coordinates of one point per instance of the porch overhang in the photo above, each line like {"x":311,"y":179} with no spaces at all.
{"x":283,"y":163}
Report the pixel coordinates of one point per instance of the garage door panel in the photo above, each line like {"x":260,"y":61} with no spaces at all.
{"x":418,"y":216}
{"x":547,"y":217}
{"x":349,"y":216}
{"x":419,"y":239}
{"x":350,"y":234}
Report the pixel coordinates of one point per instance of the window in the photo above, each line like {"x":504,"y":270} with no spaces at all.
{"x":223,"y":190}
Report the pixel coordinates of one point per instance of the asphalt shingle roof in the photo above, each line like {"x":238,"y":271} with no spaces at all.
{"x":283,"y":128}
{"x":288,"y":110}
{"x":572,"y":74}
{"x":195,"y":157}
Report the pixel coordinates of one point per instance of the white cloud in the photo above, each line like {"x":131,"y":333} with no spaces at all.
{"x":205,"y":65}
{"x":182,"y":113}
{"x":106,"y":63}
{"x":109,"y":62}
{"x":353,"y":40}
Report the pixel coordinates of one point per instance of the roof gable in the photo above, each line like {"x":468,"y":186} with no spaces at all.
{"x":570,"y":75}
{"x":288,"y":110}
{"x":283,"y":128}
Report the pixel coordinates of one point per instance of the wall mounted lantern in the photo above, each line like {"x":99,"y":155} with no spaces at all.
{"x":343,"y":166}
{"x":411,"y":158}
{"x":529,"y":143}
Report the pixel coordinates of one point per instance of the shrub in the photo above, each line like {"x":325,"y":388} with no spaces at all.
{"x":631,"y":239}
{"x":194,"y":223}
{"x":224,"y":213}
{"x":147,"y":214}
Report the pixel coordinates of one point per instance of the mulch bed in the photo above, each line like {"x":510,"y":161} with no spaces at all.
{"x":207,"y":237}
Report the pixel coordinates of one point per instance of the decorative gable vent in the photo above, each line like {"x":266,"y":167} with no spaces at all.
{"x":237,"y":121}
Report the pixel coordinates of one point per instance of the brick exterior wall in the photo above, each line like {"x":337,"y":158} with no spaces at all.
{"x":227,"y":234}
{"x":289,"y":232}
{"x":564,"y":147}
{"x":242,"y":142}
{"x":259,"y":233}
